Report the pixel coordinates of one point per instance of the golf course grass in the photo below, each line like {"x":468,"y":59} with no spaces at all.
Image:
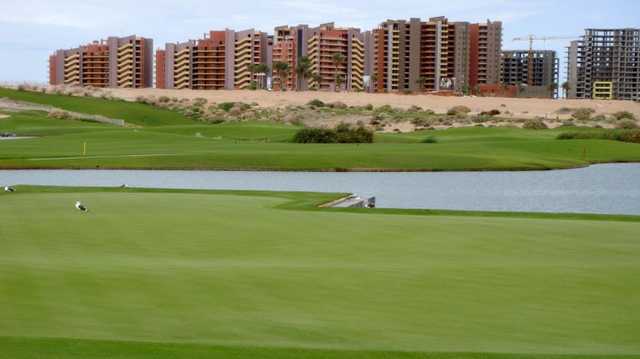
{"x":232,"y":274}
{"x":164,"y":139}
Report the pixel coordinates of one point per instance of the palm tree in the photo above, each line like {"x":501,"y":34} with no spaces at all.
{"x":282,"y":69}
{"x":338,"y":59}
{"x":420,"y":81}
{"x":303,"y":70}
{"x":253,"y":69}
{"x":339,"y":80}
{"x":566,"y":87}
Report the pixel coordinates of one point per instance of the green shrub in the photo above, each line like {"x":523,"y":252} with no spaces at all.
{"x":535,"y":124}
{"x":490,"y":113}
{"x":624,"y":115}
{"x":458,"y":111}
{"x":315,"y":135}
{"x":368,"y":107}
{"x":315,"y":103}
{"x":627,"y":125}
{"x":429,"y":139}
{"x":385,"y":109}
{"x":343,"y":133}
{"x":338,"y":105}
{"x":226,"y":106}
{"x":199,"y":101}
{"x":583,"y":114}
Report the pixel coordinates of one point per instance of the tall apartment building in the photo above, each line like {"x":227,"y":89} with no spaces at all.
{"x":434,"y":55}
{"x":485,"y":48}
{"x":220,"y":60}
{"x":115,"y":62}
{"x":605,"y":58}
{"x":535,"y":81}
{"x":289,"y":45}
{"x":320,"y":44}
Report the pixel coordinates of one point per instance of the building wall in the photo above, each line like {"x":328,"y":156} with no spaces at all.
{"x":572,"y":69}
{"x":160,"y":68}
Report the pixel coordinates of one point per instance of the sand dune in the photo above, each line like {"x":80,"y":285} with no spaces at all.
{"x":522,"y":108}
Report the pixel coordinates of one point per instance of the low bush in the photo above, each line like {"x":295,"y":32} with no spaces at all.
{"x":583,"y":114}
{"x":490,"y":113}
{"x":338,"y":105}
{"x":429,"y":139}
{"x":627,"y":125}
{"x":226,"y":106}
{"x":632,"y":136}
{"x":343,"y":133}
{"x":315,"y":103}
{"x":535,"y":124}
{"x":624,"y":115}
{"x":459,"y":111}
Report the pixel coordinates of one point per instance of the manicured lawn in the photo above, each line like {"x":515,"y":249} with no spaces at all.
{"x":222,"y":274}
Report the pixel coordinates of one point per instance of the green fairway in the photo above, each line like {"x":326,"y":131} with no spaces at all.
{"x":263,"y":146}
{"x":220,"y":274}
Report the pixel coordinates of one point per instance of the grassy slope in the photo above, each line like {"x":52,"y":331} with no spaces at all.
{"x":178,"y":143}
{"x":246,"y":279}
{"x":134,"y":113}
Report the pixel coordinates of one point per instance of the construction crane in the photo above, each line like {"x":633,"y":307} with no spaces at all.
{"x":531,"y":39}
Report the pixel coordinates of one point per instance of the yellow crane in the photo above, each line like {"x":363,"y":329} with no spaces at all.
{"x":531,"y":39}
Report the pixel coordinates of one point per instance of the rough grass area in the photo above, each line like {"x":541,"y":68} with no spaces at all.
{"x":622,"y":135}
{"x":232,"y":274}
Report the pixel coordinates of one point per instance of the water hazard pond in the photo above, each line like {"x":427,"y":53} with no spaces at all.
{"x":607,"y":188}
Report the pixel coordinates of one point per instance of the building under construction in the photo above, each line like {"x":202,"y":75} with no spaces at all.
{"x":605,"y":63}
{"x":536,"y":73}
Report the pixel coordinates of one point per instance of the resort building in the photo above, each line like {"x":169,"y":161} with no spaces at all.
{"x":434,"y":55}
{"x":115,"y":62}
{"x":220,"y":60}
{"x":336,"y":55}
{"x":605,"y":63}
{"x":536,"y":73}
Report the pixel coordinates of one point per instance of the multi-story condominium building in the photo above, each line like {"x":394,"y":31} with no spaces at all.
{"x":220,"y":60}
{"x":289,"y":45}
{"x":434,"y":55}
{"x":605,"y":63}
{"x":336,"y":56}
{"x":485,"y":49}
{"x":115,"y":62}
{"x":535,"y":72}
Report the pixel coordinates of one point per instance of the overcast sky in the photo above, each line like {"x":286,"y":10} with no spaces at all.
{"x":31,"y":29}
